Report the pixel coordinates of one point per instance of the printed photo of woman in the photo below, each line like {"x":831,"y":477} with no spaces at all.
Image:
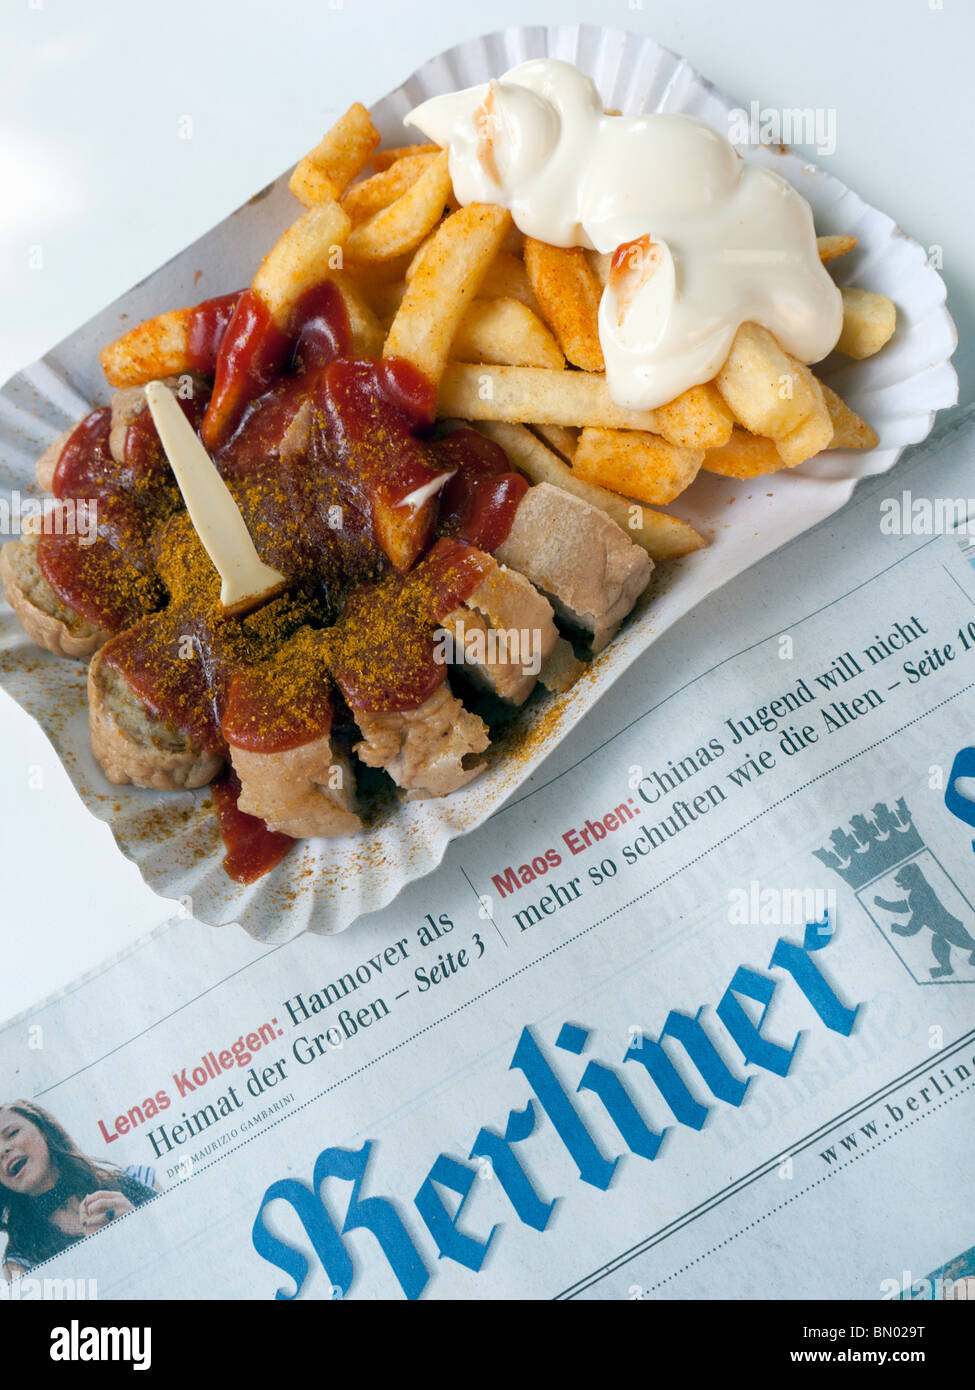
{"x":51,"y":1194}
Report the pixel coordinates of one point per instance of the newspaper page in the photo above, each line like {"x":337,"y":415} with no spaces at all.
{"x":693,"y":1016}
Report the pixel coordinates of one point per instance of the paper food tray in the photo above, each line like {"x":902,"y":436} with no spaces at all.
{"x":324,"y":885}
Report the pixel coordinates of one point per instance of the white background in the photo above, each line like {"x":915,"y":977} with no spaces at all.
{"x":94,"y":101}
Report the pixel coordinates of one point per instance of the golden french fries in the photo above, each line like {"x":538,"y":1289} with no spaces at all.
{"x":816,"y":431}
{"x":156,"y":348}
{"x":382,"y":159}
{"x":744,"y":456}
{"x":443,"y":287}
{"x":402,"y":225}
{"x":305,"y":255}
{"x":337,"y":159}
{"x":761,"y":387}
{"x":505,"y":331}
{"x":662,"y":537}
{"x":541,"y":396}
{"x":561,"y":439}
{"x":696,"y":419}
{"x":507,"y":278}
{"x":830,"y":247}
{"x":849,"y":431}
{"x":364,"y":199}
{"x":750,"y":456}
{"x":366,"y":331}
{"x":373,"y":275}
{"x":534,"y":394}
{"x":566,"y":287}
{"x":636,"y":464}
{"x":601,"y":262}
{"x":869,"y":321}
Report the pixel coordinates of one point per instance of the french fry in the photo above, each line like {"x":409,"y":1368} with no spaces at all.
{"x":869,"y":321}
{"x":636,"y":464}
{"x":744,"y":456}
{"x":750,"y":456}
{"x":343,"y":153}
{"x":369,"y":275}
{"x":815,"y":433}
{"x":662,"y":537}
{"x":849,"y":431}
{"x":760,"y":387}
{"x":514,"y":242}
{"x":832,"y":246}
{"x":442,"y":288}
{"x":384,"y":300}
{"x":417,"y":257}
{"x":304,"y":256}
{"x":157,"y":348}
{"x":366,"y":331}
{"x":507,"y":278}
{"x":568,"y":291}
{"x":363,"y":200}
{"x":504,"y":330}
{"x":485,"y":392}
{"x":601,"y":261}
{"x":696,"y":419}
{"x":403,"y":225}
{"x":384,"y":159}
{"x":561,"y":439}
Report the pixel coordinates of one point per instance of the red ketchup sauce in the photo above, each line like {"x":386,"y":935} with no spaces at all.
{"x":206,"y":325}
{"x":252,"y":352}
{"x":252,"y":849}
{"x":381,"y":531}
{"x":479,"y":502}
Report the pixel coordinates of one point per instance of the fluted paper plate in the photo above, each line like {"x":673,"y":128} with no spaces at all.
{"x":324,"y":885}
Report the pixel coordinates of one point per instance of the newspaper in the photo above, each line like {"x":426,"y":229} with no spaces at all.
{"x":692,"y":1016}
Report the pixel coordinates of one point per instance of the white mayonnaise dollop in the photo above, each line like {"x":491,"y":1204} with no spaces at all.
{"x":705,"y":241}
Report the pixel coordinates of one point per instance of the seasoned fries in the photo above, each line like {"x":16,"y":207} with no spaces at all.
{"x":157,"y":348}
{"x":505,"y":331}
{"x":534,"y":394}
{"x":637,"y":464}
{"x":751,"y":456}
{"x":697,"y":419}
{"x":830,"y":247}
{"x":561,"y":439}
{"x":816,"y":431}
{"x":744,"y":456}
{"x":365,"y":330}
{"x":383,"y":159}
{"x":305,"y":255}
{"x":363,"y":200}
{"x":566,"y":287}
{"x":849,"y":431}
{"x":869,"y":321}
{"x":507,"y":278}
{"x":446,"y":282}
{"x":340,"y":157}
{"x":760,"y":385}
{"x":402,"y":225}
